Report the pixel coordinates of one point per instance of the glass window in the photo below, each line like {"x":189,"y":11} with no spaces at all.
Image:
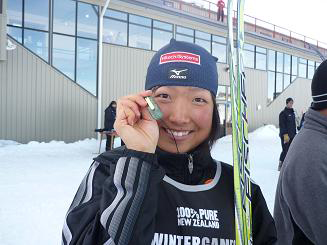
{"x":116,"y":14}
{"x":180,"y":37}
{"x":221,"y":93}
{"x":37,"y":42}
{"x":279,"y":83}
{"x":36,"y":14}
{"x":294,"y":65}
{"x":162,"y":25}
{"x":160,"y":38}
{"x":317,"y":64}
{"x":15,"y":33}
{"x":64,"y":16}
{"x":219,"y":51}
{"x":249,"y":47}
{"x":204,"y":44}
{"x":186,"y":31}
{"x":248,"y":59}
{"x":280,"y":62}
{"x":302,"y":68}
{"x":15,"y":12}
{"x":87,"y":20}
{"x":202,"y":35}
{"x":219,"y":39}
{"x":139,"y":36}
{"x":261,"y":61}
{"x":63,"y":54}
{"x":293,"y":78}
{"x":86,"y":64}
{"x":311,"y":68}
{"x":261,"y":50}
{"x":114,"y":31}
{"x":287,"y":80}
{"x":287,"y":63}
{"x":271,"y":60}
{"x":139,"y":20}
{"x":271,"y":86}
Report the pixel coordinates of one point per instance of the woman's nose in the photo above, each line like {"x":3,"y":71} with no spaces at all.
{"x":179,"y":113}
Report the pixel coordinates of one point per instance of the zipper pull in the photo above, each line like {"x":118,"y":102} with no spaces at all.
{"x":190,"y":163}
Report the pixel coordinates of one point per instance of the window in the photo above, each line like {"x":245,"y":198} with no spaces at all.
{"x":317,"y":65}
{"x":260,"y":58}
{"x":162,"y":33}
{"x":271,"y":60}
{"x":287,"y":64}
{"x":63,"y":54}
{"x":15,"y":12}
{"x":87,"y":20}
{"x":139,"y":36}
{"x":219,"y":51}
{"x":294,"y":68}
{"x":115,"y":31}
{"x":64,"y":12}
{"x":287,"y":80}
{"x":279,"y":62}
{"x":15,"y":33}
{"x":86,"y":64}
{"x":36,"y":14}
{"x":203,"y":39}
{"x":271,"y":86}
{"x":302,"y":68}
{"x":184,"y":34}
{"x":311,"y":69}
{"x":116,"y":14}
{"x":279,"y":83}
{"x":249,"y":55}
{"x":140,"y":33}
{"x":37,"y":42}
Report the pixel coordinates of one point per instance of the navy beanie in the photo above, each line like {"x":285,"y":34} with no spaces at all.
{"x":319,"y":87}
{"x":183,"y":64}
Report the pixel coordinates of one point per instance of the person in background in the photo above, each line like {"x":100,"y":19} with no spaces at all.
{"x":109,"y":120}
{"x":220,"y":13}
{"x":301,"y":197}
{"x":164,"y":187}
{"x":287,"y":129}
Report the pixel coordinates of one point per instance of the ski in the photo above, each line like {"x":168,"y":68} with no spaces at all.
{"x":242,"y":183}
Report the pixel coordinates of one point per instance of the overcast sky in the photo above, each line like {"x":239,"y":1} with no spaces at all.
{"x":308,"y":18}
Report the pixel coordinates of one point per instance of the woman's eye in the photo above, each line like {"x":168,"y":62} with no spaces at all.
{"x":162,"y":96}
{"x":200,"y":100}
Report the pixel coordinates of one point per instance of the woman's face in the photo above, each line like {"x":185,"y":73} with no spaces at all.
{"x":187,"y":114}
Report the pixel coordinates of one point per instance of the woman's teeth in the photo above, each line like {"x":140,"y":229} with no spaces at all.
{"x":178,"y":133}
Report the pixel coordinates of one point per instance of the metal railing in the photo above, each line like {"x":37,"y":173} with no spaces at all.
{"x":208,"y":9}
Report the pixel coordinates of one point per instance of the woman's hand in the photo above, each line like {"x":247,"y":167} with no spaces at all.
{"x":134,"y":124}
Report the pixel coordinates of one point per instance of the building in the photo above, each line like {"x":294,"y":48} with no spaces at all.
{"x":49,"y":83}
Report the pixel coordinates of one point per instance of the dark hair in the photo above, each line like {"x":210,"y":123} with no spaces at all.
{"x":215,"y":126}
{"x":288,"y":100}
{"x":112,"y":102}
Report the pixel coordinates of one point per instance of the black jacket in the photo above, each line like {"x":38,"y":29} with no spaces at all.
{"x":287,"y":124}
{"x":109,"y":118}
{"x":126,"y":197}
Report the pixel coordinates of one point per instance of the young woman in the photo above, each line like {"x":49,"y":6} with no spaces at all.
{"x":164,"y":187}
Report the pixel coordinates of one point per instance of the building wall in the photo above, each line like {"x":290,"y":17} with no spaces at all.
{"x":39,"y":103}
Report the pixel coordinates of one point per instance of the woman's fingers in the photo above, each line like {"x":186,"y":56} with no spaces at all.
{"x":129,"y":107}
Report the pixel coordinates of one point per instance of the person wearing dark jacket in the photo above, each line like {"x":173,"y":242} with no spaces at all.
{"x":287,"y":129}
{"x":164,"y":187}
{"x":301,"y":196}
{"x":109,"y":120}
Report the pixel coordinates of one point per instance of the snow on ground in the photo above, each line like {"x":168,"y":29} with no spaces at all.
{"x":39,"y":180}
